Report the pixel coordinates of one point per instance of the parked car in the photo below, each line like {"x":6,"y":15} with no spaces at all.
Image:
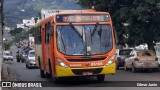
{"x":30,"y":61}
{"x":7,"y":55}
{"x":122,"y":54}
{"x":141,"y":59}
{"x":157,"y":49}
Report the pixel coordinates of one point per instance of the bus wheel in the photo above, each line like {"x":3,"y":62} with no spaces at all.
{"x":42,"y":73}
{"x":50,"y":68}
{"x":100,"y":77}
{"x":57,"y":80}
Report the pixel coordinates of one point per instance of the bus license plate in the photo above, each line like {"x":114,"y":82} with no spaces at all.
{"x":87,"y":73}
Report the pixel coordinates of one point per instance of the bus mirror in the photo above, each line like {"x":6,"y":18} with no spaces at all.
{"x":51,"y":32}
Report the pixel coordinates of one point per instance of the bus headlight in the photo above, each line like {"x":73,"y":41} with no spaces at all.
{"x":111,"y":60}
{"x":61,"y":63}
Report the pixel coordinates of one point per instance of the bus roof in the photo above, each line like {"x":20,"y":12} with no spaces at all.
{"x":87,"y":11}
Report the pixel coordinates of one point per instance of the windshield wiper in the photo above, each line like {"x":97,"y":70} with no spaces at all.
{"x":62,"y":40}
{"x":72,"y":26}
{"x":94,"y":30}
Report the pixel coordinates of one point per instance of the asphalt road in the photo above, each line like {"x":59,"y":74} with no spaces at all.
{"x":21,"y":73}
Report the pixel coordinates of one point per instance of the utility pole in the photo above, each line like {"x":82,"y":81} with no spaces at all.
{"x":1,"y":25}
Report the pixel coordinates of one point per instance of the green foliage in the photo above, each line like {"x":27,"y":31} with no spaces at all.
{"x":15,"y":31}
{"x":21,"y":36}
{"x":142,"y":16}
{"x":7,"y":45}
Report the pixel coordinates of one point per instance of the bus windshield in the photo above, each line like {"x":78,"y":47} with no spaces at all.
{"x":84,"y":39}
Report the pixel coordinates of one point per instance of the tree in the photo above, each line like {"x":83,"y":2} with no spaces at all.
{"x":15,"y":31}
{"x":141,"y":15}
{"x":20,"y":34}
{"x":7,"y":45}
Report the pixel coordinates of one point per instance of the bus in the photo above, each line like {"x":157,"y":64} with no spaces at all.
{"x":81,"y":43}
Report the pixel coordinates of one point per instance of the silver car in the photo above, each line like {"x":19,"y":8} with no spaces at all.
{"x":7,"y":55}
{"x":30,"y":61}
{"x":141,"y":59}
{"x":122,"y":54}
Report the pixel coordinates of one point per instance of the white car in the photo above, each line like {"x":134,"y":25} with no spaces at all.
{"x":157,"y":48}
{"x":30,"y":61}
{"x":141,"y":59}
{"x":7,"y":55}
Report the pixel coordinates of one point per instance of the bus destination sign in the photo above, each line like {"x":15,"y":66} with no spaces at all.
{"x":83,"y":18}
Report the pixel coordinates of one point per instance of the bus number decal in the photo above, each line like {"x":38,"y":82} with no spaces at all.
{"x":96,"y":63}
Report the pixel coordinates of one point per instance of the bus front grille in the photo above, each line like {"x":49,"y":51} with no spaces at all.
{"x":86,"y":60}
{"x":81,"y":71}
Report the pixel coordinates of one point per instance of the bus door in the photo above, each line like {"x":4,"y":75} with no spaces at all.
{"x":52,"y":54}
{"x":43,"y":49}
{"x":48,"y":47}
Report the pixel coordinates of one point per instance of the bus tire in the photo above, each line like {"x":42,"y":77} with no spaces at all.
{"x":41,"y":71}
{"x":50,"y":68}
{"x":56,"y":80}
{"x":100,"y":77}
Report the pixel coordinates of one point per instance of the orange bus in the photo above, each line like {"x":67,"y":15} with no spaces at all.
{"x":78,"y":43}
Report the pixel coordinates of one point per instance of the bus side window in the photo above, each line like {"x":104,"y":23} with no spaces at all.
{"x":38,"y":35}
{"x":51,"y":33}
{"x":47,"y":32}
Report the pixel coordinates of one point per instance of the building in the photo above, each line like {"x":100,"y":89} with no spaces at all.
{"x":28,"y":22}
{"x":20,"y":25}
{"x":7,"y":28}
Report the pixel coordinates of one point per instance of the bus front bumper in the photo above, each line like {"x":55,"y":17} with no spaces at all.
{"x":89,"y":71}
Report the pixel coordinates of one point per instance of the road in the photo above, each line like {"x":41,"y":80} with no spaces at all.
{"x":20,"y":73}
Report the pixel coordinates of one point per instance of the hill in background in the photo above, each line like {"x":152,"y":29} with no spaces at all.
{"x":16,"y":10}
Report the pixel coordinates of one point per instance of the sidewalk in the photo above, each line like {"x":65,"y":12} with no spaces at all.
{"x":4,"y":75}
